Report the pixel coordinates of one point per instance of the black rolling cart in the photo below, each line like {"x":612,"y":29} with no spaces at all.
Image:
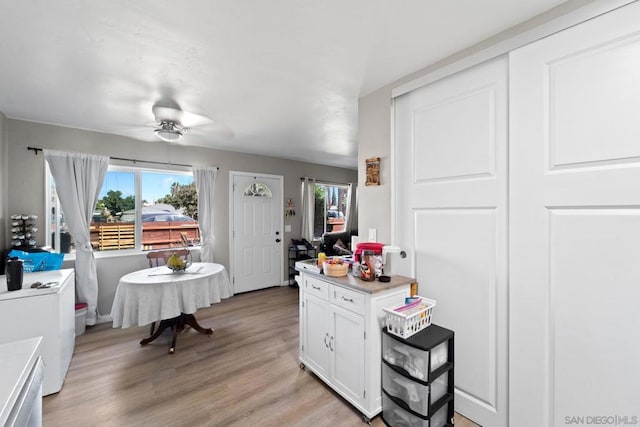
{"x":418,"y":378}
{"x":298,"y":252}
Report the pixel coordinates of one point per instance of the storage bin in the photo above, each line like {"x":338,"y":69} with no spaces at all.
{"x":416,"y":362}
{"x":81,"y":314}
{"x":409,"y":322}
{"x":418,"y":396}
{"x":395,"y":415}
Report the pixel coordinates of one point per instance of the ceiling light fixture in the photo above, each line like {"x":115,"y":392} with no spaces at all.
{"x":168,"y":131}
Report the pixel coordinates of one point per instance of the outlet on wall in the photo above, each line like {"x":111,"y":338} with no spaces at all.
{"x":372,"y":234}
{"x":287,"y":228}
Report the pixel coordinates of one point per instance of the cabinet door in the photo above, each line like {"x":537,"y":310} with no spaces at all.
{"x":347,"y":346}
{"x":315,"y":350}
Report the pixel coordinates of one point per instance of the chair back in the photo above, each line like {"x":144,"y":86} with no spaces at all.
{"x":159,"y":258}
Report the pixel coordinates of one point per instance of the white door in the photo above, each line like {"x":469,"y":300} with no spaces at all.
{"x":450,"y":182}
{"x":347,"y":353}
{"x":256,"y":227}
{"x":575,"y":225}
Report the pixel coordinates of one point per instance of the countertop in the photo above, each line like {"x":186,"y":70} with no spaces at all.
{"x":16,"y":361}
{"x":56,"y":276}
{"x":349,"y":281}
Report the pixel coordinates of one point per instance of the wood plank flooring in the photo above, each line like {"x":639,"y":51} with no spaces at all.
{"x":246,"y":374}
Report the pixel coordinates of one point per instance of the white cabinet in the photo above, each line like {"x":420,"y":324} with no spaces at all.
{"x":47,"y":313}
{"x":340,"y":338}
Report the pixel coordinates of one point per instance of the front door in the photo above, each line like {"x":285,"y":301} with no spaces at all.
{"x":256,"y":231}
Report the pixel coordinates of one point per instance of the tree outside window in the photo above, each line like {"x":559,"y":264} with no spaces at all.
{"x":165,"y":217}
{"x":330,"y":208}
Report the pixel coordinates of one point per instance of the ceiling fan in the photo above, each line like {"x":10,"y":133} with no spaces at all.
{"x":172,"y":123}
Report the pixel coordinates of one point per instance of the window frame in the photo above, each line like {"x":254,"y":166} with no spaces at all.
{"x":114,"y":166}
{"x":326,"y":206}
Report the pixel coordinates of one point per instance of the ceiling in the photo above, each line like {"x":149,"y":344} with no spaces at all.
{"x":279,"y":78}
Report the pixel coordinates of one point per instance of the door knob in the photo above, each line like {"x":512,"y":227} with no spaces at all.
{"x":277,"y":240}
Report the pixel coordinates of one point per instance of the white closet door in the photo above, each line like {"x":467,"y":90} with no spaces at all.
{"x":451,"y":217}
{"x":575,"y":225}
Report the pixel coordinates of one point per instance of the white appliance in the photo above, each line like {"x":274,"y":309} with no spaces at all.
{"x":47,"y":313}
{"x":22,"y":372}
{"x":395,"y":261}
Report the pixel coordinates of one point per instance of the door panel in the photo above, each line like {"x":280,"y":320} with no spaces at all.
{"x":456,"y":248}
{"x":451,"y":218}
{"x":256,"y":225}
{"x":575,"y":222}
{"x":348,"y":353}
{"x":316,"y":335}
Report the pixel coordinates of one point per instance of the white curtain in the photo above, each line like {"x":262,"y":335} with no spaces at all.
{"x":352,"y":207}
{"x":79,"y":178}
{"x":205,"y":178}
{"x":308,"y":208}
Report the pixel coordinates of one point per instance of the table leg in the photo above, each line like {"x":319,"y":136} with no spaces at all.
{"x":176,"y":324}
{"x":190,"y":319}
{"x":174,"y":331}
{"x":164,"y":324}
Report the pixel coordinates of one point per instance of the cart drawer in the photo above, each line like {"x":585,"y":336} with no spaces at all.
{"x":346,"y":298}
{"x":418,"y":397}
{"x":319,"y":288}
{"x":418,"y":363}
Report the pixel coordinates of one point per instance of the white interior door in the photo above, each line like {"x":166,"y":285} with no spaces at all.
{"x":450,"y":161}
{"x":575,"y":225}
{"x":256,"y":228}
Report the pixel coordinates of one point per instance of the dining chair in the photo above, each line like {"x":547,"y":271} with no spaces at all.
{"x":158,"y":259}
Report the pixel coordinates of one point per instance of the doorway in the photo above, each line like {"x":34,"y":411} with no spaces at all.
{"x":256,"y":224}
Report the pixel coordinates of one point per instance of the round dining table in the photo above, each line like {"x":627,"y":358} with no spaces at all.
{"x":158,"y":294}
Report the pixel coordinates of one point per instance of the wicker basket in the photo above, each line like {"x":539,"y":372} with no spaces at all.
{"x":404,"y":323}
{"x":335,"y":270}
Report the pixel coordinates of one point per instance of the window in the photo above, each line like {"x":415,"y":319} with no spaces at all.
{"x":136,"y":209}
{"x":330,"y":208}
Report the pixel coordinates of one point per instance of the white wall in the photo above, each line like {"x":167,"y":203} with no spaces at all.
{"x":26,"y":193}
{"x":4,"y":223}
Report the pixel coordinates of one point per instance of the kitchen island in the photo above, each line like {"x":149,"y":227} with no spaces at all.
{"x":340,"y":332}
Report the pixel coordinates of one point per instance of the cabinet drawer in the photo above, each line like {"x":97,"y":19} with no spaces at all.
{"x":418,"y":363}
{"x":394,"y":415}
{"x":346,"y":298}
{"x":417,"y":396}
{"x":316,"y":287}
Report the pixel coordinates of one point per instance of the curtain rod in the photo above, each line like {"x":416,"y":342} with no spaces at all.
{"x":322,"y":181}
{"x":36,"y":150}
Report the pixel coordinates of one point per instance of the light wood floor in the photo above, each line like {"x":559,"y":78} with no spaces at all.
{"x":246,"y":374}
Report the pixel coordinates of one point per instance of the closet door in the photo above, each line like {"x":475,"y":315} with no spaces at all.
{"x":450,"y":184}
{"x":575,"y":224}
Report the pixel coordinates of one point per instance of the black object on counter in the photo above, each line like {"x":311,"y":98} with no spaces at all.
{"x":14,"y":272}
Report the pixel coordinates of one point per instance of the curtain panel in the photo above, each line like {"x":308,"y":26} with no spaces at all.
{"x":78,"y":178}
{"x":308,"y":208}
{"x":205,"y":178}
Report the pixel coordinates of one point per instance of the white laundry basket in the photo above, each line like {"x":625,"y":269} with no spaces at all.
{"x":81,"y":314}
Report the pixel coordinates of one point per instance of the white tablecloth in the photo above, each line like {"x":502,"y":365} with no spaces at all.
{"x":154,"y":294}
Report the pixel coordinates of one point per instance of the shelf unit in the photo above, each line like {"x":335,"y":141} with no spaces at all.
{"x":418,"y":378}
{"x":298,"y":253}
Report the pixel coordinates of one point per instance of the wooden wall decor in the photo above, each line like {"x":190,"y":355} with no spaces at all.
{"x":373,"y":171}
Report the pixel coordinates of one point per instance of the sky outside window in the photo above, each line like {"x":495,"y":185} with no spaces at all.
{"x":154,"y":185}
